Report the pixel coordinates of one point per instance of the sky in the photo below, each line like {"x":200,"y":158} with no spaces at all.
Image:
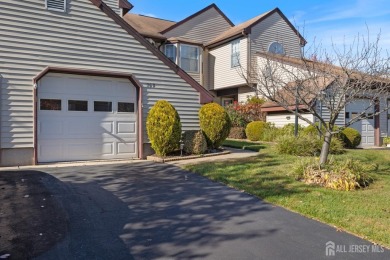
{"x":321,"y":21}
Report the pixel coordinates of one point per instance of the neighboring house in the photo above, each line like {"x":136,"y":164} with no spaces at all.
{"x":77,"y":82}
{"x":217,"y":53}
{"x":372,"y":129}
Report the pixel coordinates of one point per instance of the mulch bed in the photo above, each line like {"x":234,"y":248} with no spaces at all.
{"x":176,"y":156}
{"x":31,"y":219}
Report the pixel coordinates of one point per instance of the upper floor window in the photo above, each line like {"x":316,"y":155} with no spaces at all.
{"x":189,"y":58}
{"x":170,"y":52}
{"x":56,"y":5}
{"x":276,"y":48}
{"x":235,"y":54}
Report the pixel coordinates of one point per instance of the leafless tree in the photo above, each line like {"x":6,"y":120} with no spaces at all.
{"x":332,"y":81}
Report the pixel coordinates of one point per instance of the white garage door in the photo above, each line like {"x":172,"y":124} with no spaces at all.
{"x":86,"y":118}
{"x":365,"y":126}
{"x":282,"y":119}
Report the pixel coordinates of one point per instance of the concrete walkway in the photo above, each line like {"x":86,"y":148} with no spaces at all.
{"x":235,"y":154}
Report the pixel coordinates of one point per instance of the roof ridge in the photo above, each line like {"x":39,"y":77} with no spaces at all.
{"x":154,"y":17}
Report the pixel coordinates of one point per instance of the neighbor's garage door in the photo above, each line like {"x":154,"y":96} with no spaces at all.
{"x":86,"y":118}
{"x":365,"y":126}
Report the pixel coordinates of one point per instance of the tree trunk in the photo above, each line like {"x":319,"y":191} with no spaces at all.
{"x":325,"y":148}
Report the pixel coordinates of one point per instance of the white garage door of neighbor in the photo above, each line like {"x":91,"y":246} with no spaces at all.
{"x":365,"y":126}
{"x":86,"y":118}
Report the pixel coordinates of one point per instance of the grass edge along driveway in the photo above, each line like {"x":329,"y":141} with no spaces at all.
{"x":364,"y":212}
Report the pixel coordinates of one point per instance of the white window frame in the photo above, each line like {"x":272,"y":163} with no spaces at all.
{"x":175,"y":52}
{"x":269,"y":48}
{"x":55,"y":9}
{"x":198,"y":57}
{"x":235,"y":54}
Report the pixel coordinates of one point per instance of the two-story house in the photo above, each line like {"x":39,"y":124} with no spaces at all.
{"x":217,"y":53}
{"x":222,"y":57}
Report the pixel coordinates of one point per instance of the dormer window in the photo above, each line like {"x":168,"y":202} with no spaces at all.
{"x":276,"y":48}
{"x":56,"y":5}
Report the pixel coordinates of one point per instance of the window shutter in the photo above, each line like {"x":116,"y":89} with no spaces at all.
{"x":56,"y":5}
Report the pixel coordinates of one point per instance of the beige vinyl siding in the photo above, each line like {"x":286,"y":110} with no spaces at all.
{"x":274,"y":29}
{"x":196,"y":76}
{"x":113,"y":4}
{"x":282,"y":119}
{"x":202,"y":28}
{"x":83,"y":38}
{"x":221,"y":74}
{"x":244,"y":93}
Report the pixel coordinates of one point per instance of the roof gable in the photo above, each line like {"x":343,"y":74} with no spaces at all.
{"x":201,"y":27}
{"x":245,"y":28}
{"x":212,"y":6}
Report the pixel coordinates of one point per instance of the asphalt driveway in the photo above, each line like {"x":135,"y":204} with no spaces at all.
{"x":157,"y":211}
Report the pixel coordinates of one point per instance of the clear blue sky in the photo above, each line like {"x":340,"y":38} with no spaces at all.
{"x":324,"y":20}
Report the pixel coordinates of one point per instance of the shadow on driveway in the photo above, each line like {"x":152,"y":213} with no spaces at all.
{"x":147,"y":210}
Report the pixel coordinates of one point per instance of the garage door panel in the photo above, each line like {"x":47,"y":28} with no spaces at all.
{"x":51,"y":150}
{"x":125,"y":128}
{"x":50,"y":128}
{"x":365,"y":126}
{"x":126,"y":148}
{"x":86,"y":149}
{"x":85,"y":135}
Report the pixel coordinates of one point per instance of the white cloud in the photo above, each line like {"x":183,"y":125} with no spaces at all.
{"x":149,"y":14}
{"x":359,"y":9}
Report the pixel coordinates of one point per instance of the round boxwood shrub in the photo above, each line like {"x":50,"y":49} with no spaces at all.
{"x":254,"y":130}
{"x":163,"y":127}
{"x":215,"y":124}
{"x":351,"y":137}
{"x":237,"y":133}
{"x":194,"y":142}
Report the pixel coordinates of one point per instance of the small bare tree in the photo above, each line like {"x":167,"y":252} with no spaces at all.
{"x":329,"y":82}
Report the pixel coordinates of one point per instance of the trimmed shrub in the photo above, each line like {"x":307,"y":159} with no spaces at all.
{"x":163,"y":127}
{"x":194,"y":142}
{"x":306,"y":145}
{"x":215,"y":124}
{"x":255,"y":130}
{"x":237,"y":133}
{"x":349,"y":174}
{"x":351,"y":137}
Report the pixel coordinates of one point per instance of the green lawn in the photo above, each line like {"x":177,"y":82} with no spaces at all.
{"x":364,"y":212}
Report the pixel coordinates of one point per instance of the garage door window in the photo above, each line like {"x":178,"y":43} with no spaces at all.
{"x":77,"y":105}
{"x":126,"y":107}
{"x":50,"y":104}
{"x":102,"y":106}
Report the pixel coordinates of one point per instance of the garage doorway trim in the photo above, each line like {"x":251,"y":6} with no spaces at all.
{"x":100,"y":73}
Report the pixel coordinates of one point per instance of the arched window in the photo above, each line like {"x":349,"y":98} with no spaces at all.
{"x":276,"y":48}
